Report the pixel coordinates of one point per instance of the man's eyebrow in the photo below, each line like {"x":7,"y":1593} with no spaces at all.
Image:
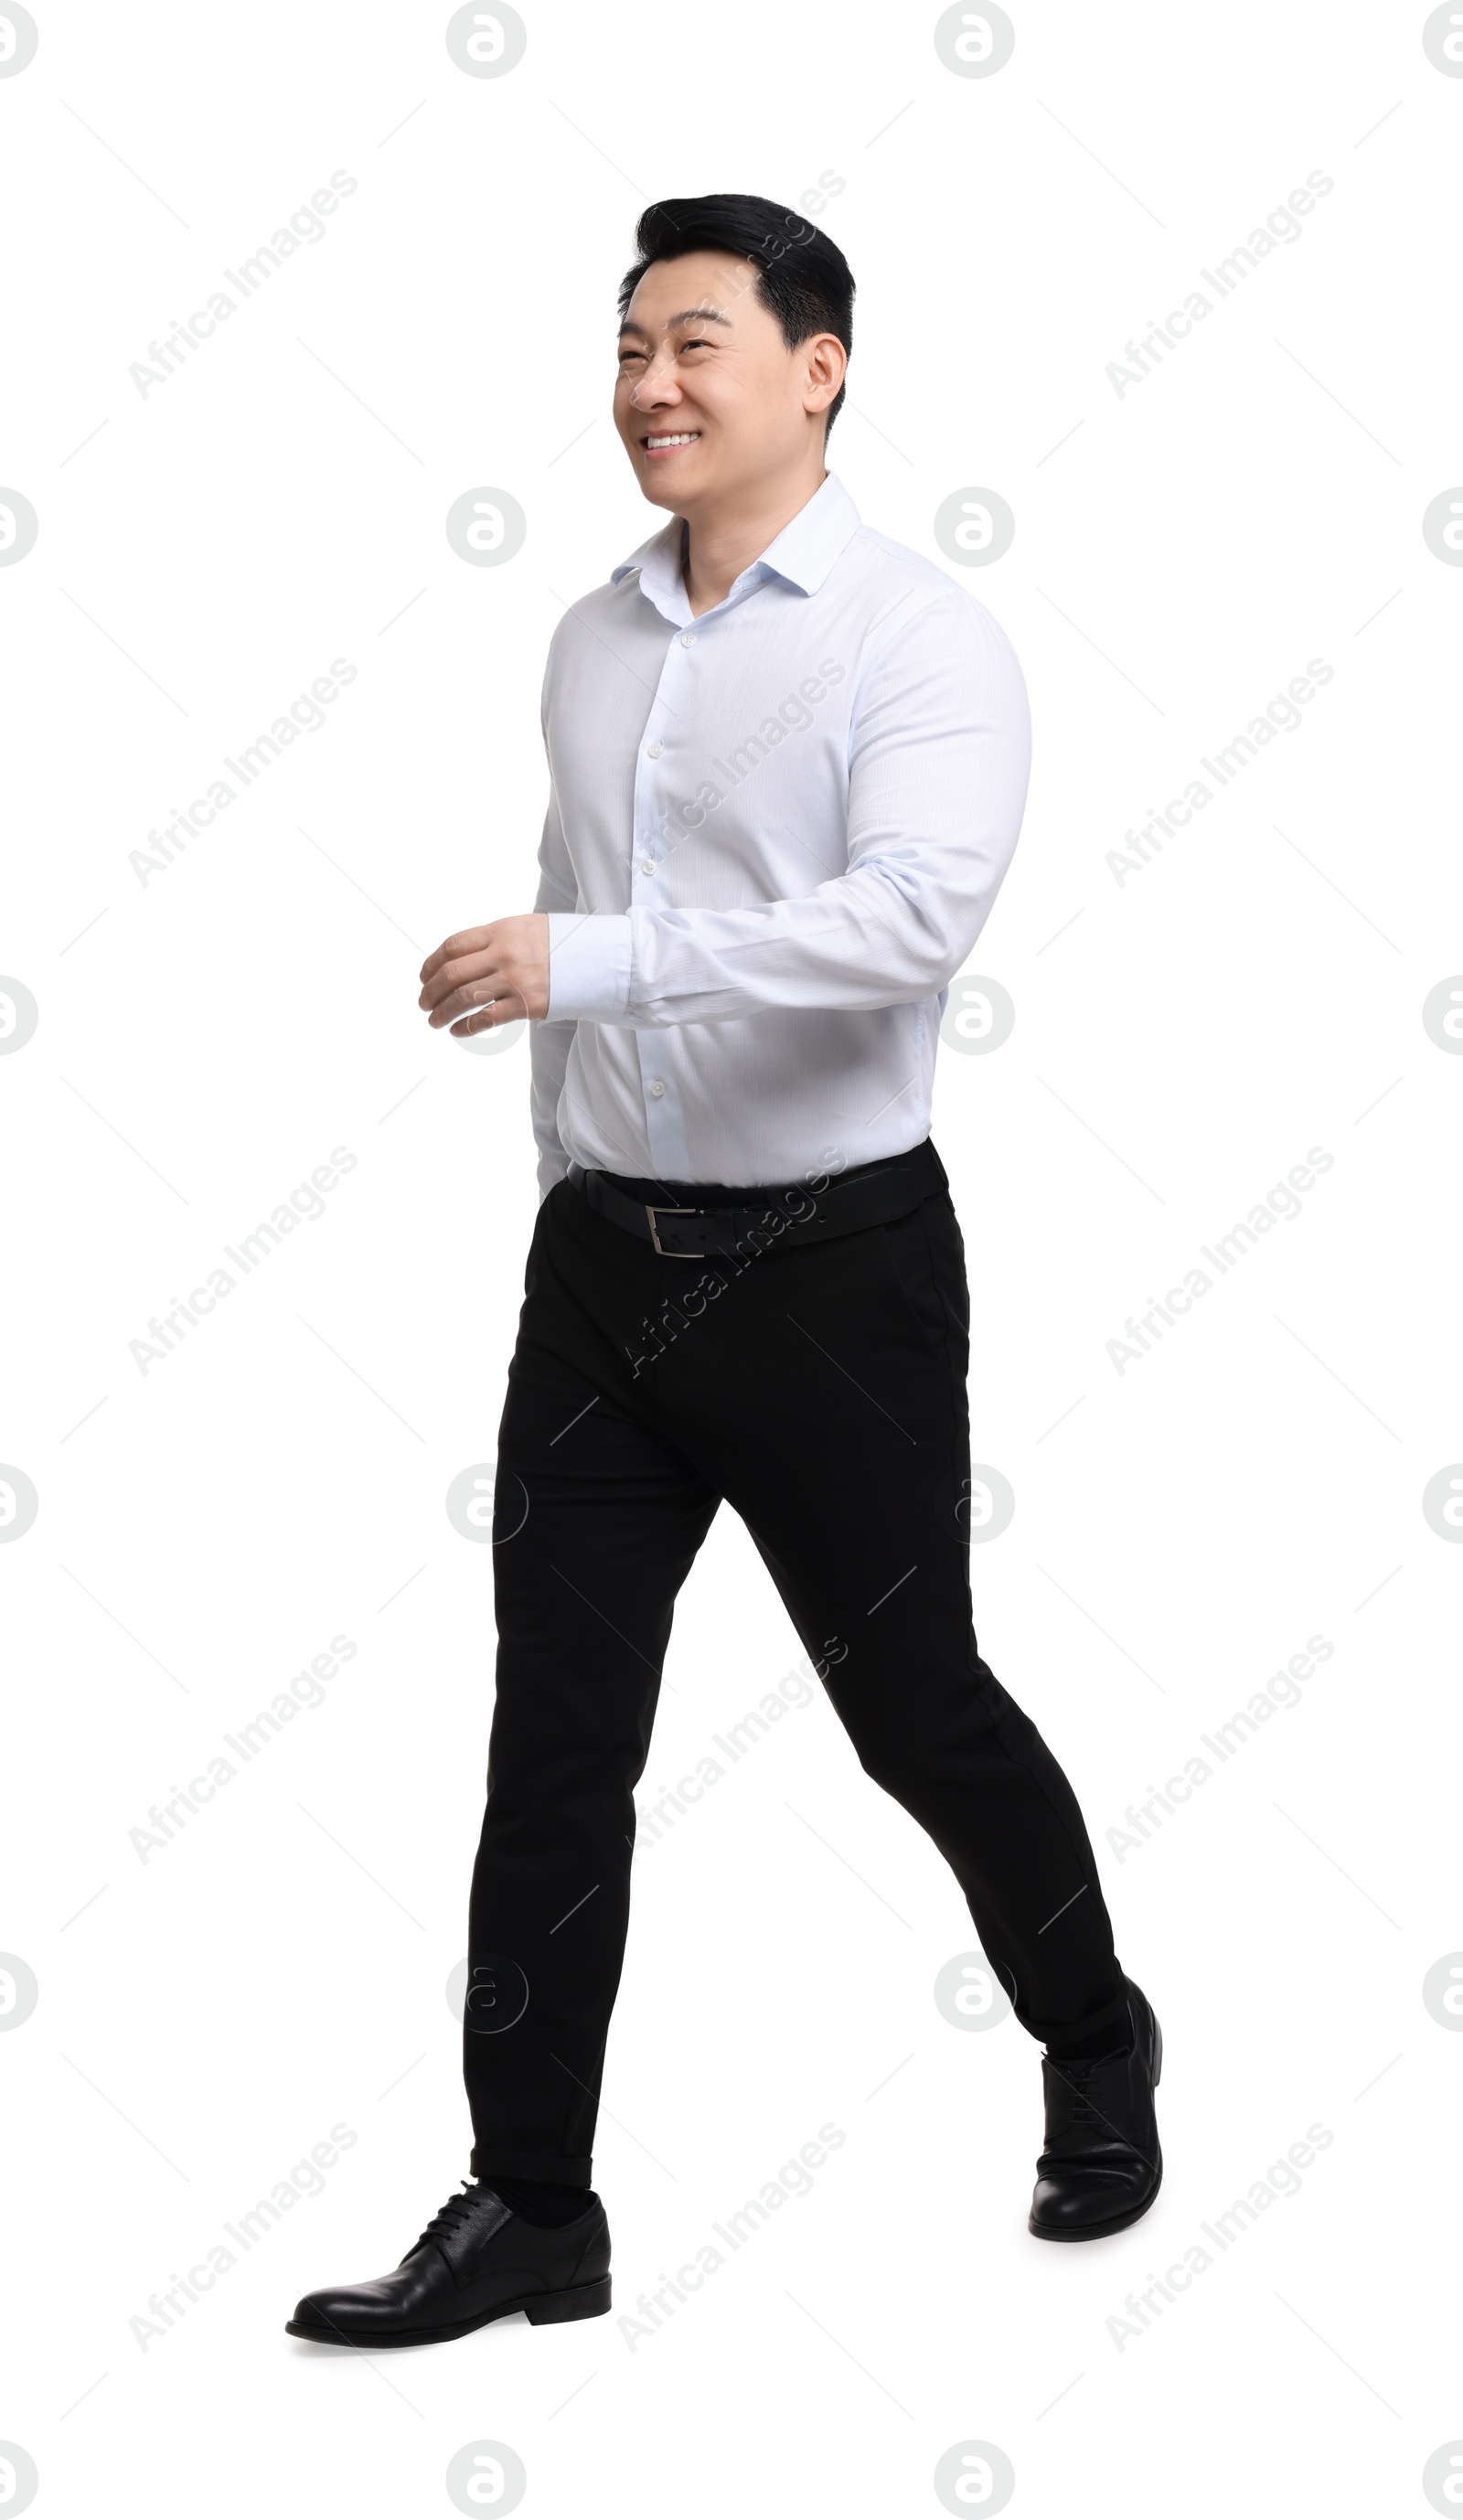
{"x":687,"y":315}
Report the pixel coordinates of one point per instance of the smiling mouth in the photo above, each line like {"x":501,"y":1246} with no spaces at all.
{"x":670,"y":444}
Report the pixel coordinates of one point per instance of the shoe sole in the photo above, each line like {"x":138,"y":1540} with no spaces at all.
{"x":1133,"y":2213}
{"x":542,"y":2310}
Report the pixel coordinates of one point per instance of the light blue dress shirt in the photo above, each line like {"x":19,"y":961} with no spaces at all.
{"x":774,"y":832}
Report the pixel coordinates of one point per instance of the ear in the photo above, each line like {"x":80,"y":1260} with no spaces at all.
{"x":826,"y":367}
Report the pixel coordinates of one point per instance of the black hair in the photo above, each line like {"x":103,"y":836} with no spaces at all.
{"x":802,"y":278}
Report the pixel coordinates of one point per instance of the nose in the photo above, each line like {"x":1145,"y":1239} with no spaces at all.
{"x":657,"y":387}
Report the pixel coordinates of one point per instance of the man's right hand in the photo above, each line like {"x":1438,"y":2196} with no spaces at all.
{"x":486,"y":976}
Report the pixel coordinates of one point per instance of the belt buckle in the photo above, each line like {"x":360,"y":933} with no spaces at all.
{"x":651,"y":1215}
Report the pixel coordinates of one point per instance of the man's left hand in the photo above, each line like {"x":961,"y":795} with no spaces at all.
{"x":486,"y":976}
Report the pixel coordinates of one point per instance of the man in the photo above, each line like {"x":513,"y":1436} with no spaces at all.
{"x":789,"y":760}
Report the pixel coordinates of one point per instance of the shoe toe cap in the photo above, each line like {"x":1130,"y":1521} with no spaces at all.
{"x":1075,"y":2203}
{"x":349,"y":2309}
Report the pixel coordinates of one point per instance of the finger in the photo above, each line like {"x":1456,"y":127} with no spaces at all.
{"x":468,"y":940}
{"x":456,"y":974}
{"x":470,"y":996}
{"x":506,"y":1005}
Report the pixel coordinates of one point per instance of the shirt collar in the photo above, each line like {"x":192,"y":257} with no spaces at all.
{"x":801,"y":555}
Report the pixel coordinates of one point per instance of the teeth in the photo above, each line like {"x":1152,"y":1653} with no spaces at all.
{"x":688,"y":437}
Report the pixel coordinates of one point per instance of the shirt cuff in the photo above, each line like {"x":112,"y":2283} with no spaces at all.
{"x":589,"y":966}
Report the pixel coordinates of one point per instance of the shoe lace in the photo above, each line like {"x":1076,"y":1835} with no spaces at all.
{"x":1077,"y":2074}
{"x":455,"y":2215}
{"x":1078,"y":2071}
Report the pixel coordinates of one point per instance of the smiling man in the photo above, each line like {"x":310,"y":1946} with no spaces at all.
{"x":788,"y":762}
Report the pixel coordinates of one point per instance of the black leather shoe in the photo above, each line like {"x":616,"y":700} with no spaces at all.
{"x":1101,"y":2167}
{"x":475,"y":2261}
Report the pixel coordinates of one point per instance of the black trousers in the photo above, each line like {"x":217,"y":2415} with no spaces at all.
{"x":821,"y":1390}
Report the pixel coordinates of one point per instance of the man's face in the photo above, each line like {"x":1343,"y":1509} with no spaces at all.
{"x":709,"y":398}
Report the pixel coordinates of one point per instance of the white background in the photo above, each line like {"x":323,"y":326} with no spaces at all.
{"x":1183,"y":1038}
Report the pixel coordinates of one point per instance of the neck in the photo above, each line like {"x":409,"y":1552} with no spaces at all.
{"x":717,"y":546}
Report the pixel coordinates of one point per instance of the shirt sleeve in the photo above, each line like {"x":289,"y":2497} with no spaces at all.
{"x":938,"y":762}
{"x":549,"y":1042}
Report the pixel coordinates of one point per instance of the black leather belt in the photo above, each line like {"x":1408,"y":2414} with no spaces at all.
{"x":681,"y":1223}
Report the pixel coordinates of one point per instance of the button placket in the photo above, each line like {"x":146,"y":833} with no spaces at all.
{"x":663,"y":1123}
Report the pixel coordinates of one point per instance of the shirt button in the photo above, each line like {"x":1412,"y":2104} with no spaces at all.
{"x":657,"y":1088}
{"x":655,"y":750}
{"x":687,"y":638}
{"x":647,"y":866}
